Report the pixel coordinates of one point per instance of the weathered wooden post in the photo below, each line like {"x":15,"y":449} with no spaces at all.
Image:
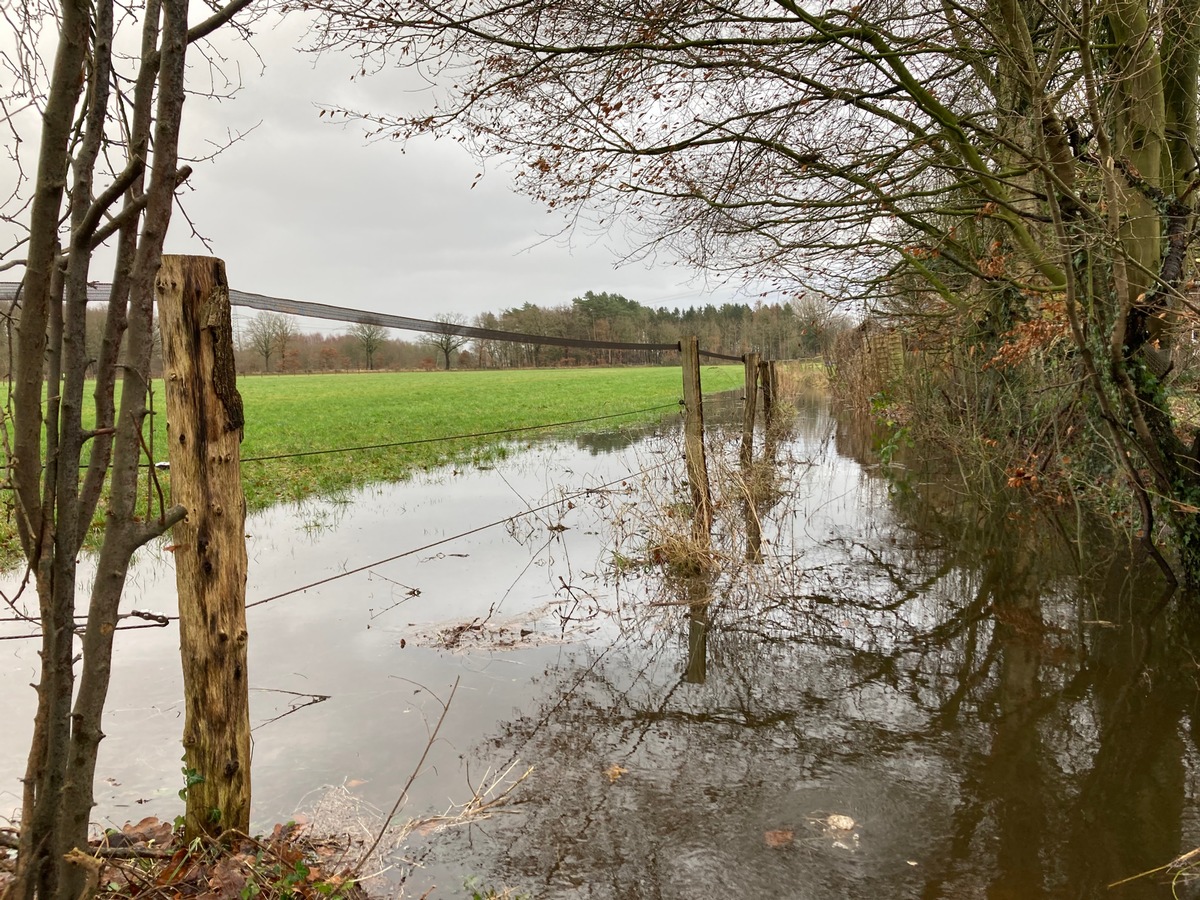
{"x":769,"y":380}
{"x":204,"y":431}
{"x":768,"y":392}
{"x":750,"y":361}
{"x":753,"y":529}
{"x":693,"y":435}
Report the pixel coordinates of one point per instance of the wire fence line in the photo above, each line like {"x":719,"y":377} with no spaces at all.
{"x":533,"y":510}
{"x":461,"y":437}
{"x":156,"y":620}
{"x":162,"y":464}
{"x":98,"y":292}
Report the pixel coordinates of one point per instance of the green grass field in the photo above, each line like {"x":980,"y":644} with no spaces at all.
{"x":301,"y":413}
{"x":291,"y":414}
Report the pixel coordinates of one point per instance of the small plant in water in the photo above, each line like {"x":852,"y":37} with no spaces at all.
{"x":896,"y":435}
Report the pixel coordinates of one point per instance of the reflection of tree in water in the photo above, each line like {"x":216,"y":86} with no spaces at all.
{"x":599,"y":443}
{"x":997,"y":724}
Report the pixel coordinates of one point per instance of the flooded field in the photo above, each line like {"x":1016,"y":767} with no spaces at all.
{"x":911,"y":693}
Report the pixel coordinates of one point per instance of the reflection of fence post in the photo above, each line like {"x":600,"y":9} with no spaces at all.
{"x":768,"y":393}
{"x":693,"y":434}
{"x":204,"y":422}
{"x":769,"y":385}
{"x":750,"y":360}
{"x":696,"y":668}
{"x":753,"y":529}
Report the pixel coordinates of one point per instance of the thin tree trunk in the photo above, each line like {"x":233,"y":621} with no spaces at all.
{"x":38,"y":870}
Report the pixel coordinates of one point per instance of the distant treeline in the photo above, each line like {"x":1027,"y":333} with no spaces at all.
{"x":800,"y":328}
{"x":269,"y":342}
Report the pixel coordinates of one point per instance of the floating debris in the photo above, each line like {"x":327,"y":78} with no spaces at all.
{"x":779,"y":837}
{"x":614,"y":772}
{"x":840,"y":823}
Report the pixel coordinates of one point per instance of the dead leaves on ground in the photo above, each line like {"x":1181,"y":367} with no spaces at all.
{"x":148,"y":860}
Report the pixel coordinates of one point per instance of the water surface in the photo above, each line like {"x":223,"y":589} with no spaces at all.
{"x":988,"y":701}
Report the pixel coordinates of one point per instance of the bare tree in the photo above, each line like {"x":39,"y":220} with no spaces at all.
{"x":370,"y":338}
{"x":448,"y":337}
{"x":285,"y":331}
{"x":979,"y":164}
{"x":107,"y":168}
{"x":268,"y":334}
{"x":818,"y":326}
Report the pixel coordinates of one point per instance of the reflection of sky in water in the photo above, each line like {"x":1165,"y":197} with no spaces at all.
{"x":343,"y":638}
{"x":907,"y":659}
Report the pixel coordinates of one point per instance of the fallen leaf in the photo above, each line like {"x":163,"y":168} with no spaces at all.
{"x":177,"y":870}
{"x":614,"y":772}
{"x":148,"y":831}
{"x":227,"y":878}
{"x":779,"y":837}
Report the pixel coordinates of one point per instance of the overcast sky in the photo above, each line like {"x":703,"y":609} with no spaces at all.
{"x":306,"y":210}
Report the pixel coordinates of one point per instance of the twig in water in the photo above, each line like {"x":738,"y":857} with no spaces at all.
{"x":362,"y":861}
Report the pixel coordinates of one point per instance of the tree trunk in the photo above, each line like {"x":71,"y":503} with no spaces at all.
{"x":40,"y":851}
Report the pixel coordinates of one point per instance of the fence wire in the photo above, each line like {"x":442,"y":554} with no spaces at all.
{"x":459,"y":437}
{"x":157,"y":620}
{"x":98,"y":292}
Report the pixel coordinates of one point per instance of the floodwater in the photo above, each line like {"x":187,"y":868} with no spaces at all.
{"x":990,"y":707}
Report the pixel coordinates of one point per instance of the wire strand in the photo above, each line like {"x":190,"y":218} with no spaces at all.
{"x":535,"y":509}
{"x":161,"y":622}
{"x":458,"y":437}
{"x":98,"y":292}
{"x":434,"y":440}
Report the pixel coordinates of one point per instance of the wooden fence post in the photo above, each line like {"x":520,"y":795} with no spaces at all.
{"x":750,"y":361}
{"x":769,"y":378}
{"x":768,"y":392}
{"x":693,"y":435}
{"x":204,"y":431}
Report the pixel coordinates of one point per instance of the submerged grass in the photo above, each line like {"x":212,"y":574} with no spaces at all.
{"x":292,"y":414}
